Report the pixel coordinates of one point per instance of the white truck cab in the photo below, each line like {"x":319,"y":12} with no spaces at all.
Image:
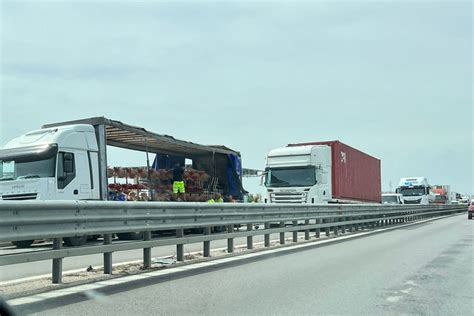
{"x":51,"y":164}
{"x":416,"y":190}
{"x":300,"y":174}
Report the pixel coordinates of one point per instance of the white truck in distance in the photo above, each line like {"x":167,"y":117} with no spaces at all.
{"x":392,"y":198}
{"x":416,"y":190}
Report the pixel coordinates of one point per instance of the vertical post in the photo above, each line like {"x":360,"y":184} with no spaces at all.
{"x":57,"y":263}
{"x":101,"y":135}
{"x":295,"y":233}
{"x":207,"y":243}
{"x":147,"y":251}
{"x":306,"y":231}
{"x":343,"y":227}
{"x":336,"y":228}
{"x":180,"y":247}
{"x":230,"y":241}
{"x":318,"y":230}
{"x":267,"y":236}
{"x":249,"y":238}
{"x":107,"y":255}
{"x":325,"y":221}
{"x":282,"y":234}
{"x":150,"y":186}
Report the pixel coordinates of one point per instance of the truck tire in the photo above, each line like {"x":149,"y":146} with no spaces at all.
{"x":22,"y":243}
{"x":130,"y":236}
{"x":469,"y":216}
{"x":75,"y":241}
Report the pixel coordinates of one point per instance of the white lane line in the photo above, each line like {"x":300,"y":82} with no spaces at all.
{"x":176,"y":270}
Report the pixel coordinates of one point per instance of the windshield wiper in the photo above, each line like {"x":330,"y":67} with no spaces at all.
{"x":6,"y":179}
{"x":29,"y":176}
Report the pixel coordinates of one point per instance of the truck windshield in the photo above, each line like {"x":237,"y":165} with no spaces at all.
{"x":390,"y":199}
{"x":291,"y":177}
{"x":412,"y":191}
{"x":27,"y":169}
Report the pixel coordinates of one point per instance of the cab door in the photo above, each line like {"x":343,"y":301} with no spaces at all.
{"x":73,"y":176}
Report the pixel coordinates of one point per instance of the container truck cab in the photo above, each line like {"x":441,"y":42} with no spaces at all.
{"x":298,"y":175}
{"x":416,"y":190}
{"x":321,"y":172}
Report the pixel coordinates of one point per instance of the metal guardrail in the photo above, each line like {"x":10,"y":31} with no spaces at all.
{"x":58,"y":219}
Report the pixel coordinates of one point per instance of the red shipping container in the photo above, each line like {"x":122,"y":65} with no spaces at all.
{"x":355,"y":175}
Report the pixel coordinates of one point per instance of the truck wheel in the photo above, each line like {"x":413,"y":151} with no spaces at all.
{"x":75,"y":241}
{"x":22,"y":243}
{"x":130,"y":236}
{"x":469,"y":216}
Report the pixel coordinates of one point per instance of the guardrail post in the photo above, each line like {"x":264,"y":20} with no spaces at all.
{"x":249,"y":238}
{"x":336,"y":228}
{"x":267,"y":236}
{"x":107,"y":255}
{"x":282,"y":234}
{"x":180,"y":247}
{"x":207,"y":243}
{"x":306,"y":231}
{"x":343,"y":227}
{"x":318,"y":230}
{"x":147,"y":251}
{"x":295,"y":233}
{"x":57,"y":263}
{"x":327,"y":229}
{"x":230,"y":241}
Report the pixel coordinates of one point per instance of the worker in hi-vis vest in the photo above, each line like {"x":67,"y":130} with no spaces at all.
{"x":216,"y":198}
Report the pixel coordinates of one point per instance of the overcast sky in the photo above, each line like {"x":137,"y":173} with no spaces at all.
{"x":393,"y":79}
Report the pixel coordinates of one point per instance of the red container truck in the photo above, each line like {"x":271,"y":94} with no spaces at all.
{"x":322,"y":172}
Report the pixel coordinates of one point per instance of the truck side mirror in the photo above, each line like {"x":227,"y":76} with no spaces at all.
{"x":68,"y":164}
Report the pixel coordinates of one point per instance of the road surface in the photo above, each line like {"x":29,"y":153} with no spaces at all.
{"x":31,"y":269}
{"x":420,"y":269}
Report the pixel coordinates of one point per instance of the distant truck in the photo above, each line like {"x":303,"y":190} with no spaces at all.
{"x":321,"y":172}
{"x":68,"y":161}
{"x":416,"y":190}
{"x":442,"y":194}
{"x":392,"y":198}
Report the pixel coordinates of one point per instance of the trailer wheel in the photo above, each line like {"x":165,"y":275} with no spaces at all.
{"x":22,"y":243}
{"x":75,"y":241}
{"x":130,"y":236}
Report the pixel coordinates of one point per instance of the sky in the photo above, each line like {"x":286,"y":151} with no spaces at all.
{"x":391,"y":78}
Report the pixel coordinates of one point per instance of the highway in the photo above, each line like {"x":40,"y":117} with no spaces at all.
{"x":420,"y":269}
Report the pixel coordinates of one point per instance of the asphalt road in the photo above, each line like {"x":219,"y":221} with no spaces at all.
{"x":421,"y":269}
{"x":25,"y":270}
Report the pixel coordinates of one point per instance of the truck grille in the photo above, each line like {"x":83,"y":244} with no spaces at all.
{"x":24,"y":196}
{"x":413,"y":201}
{"x":287,"y":197}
